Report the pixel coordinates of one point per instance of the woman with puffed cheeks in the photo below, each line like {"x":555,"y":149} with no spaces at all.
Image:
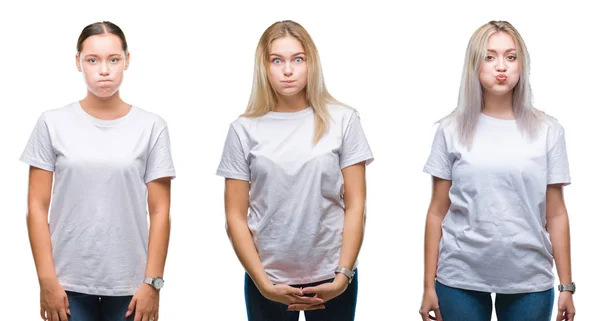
{"x":95,"y":255}
{"x":295,"y":190}
{"x":497,"y":219}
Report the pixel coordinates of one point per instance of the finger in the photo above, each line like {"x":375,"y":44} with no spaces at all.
{"x":55,"y":316}
{"x":438,"y":314}
{"x":304,"y":300}
{"x":560,"y":315}
{"x":138,"y":316}
{"x":571,"y":316}
{"x":66,"y":299}
{"x":42,"y":313}
{"x":146,"y":317}
{"x":305,"y":307}
{"x":312,"y":289}
{"x":131,"y":307}
{"x":294,"y":291}
{"x":63,"y":315}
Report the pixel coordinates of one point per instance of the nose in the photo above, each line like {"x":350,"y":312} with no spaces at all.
{"x":104,"y":69}
{"x":501,"y":65}
{"x":287,"y":70}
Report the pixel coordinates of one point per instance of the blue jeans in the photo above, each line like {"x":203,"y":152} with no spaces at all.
{"x":87,"y":307}
{"x":340,"y":308}
{"x":466,"y":305}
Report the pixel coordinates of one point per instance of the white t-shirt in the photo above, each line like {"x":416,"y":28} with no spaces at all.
{"x":296,"y":213}
{"x":494,"y":236}
{"x":98,"y":213}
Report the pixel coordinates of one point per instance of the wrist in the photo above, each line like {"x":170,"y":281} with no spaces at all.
{"x":47,"y":279}
{"x":340,"y":278}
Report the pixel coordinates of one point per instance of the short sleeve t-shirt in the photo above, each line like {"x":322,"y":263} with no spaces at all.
{"x":98,"y":214}
{"x":296,"y":212}
{"x":494,"y":236}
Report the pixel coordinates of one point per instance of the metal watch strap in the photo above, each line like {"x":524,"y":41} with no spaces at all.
{"x":348,"y":273}
{"x":567,"y":287}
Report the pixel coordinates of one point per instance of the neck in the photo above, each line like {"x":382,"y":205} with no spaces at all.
{"x":291,"y":103}
{"x":108,"y":108}
{"x":498,"y":106}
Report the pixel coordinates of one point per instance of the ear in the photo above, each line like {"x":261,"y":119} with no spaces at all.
{"x":127,"y":60}
{"x":78,"y":62}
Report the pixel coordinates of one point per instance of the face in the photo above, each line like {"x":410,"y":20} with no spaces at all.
{"x":102,"y":61}
{"x":287,"y":66}
{"x":500,"y":70}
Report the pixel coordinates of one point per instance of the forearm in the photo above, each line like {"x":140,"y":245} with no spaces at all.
{"x":41,"y":247}
{"x":243,"y":245}
{"x":158,"y":243}
{"x":433,"y":235}
{"x":558,"y":227}
{"x":352,"y":237}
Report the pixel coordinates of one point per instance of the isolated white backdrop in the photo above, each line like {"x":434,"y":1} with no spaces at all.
{"x":398,"y":63}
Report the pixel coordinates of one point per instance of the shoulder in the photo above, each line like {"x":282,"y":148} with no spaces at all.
{"x":59,"y":113}
{"x":149,"y":118}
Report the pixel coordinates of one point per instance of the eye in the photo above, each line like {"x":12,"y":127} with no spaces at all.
{"x":512,"y":57}
{"x":488,"y":57}
{"x":299,"y":59}
{"x":276,"y":61}
{"x":92,"y":60}
{"x":114,"y":60}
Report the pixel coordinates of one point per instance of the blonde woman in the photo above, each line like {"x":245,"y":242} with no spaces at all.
{"x":95,"y":255}
{"x":497,"y":217}
{"x":294,"y":168}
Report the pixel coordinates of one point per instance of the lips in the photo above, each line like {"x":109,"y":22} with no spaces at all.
{"x":501,"y":78}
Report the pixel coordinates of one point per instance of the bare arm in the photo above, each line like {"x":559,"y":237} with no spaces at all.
{"x":53,"y":299}
{"x":159,"y":204}
{"x":558,"y":227}
{"x":440,"y":203}
{"x":236,"y":212}
{"x":355,"y":193}
{"x":38,"y":201}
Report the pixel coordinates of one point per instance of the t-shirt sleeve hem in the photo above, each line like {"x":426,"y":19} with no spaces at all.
{"x":367,"y":158}
{"x":160,"y":174}
{"x":37,"y":163}
{"x":437,"y":173}
{"x":233,"y":175}
{"x":564,"y":180}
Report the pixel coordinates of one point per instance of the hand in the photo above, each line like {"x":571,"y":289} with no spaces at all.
{"x":325,"y":291}
{"x":145,"y":304}
{"x":566,"y":307}
{"x":430,"y":303}
{"x":54,"y":304}
{"x":288,"y":295}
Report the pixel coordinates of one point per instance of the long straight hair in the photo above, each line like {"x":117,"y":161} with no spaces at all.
{"x":263,"y":98}
{"x":470,"y":98}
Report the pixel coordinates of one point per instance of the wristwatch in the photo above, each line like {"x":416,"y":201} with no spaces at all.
{"x":156,"y":282}
{"x":349,"y":274}
{"x":567,"y":287}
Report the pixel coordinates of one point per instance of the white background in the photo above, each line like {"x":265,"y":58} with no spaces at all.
{"x":399,"y":65}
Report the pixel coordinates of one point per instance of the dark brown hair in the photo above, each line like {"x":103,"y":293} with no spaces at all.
{"x":99,"y":28}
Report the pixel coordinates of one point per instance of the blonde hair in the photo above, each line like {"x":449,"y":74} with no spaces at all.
{"x":470,"y":98}
{"x":264,"y":97}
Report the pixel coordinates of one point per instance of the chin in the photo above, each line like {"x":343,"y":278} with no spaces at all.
{"x":289,"y":92}
{"x":104,"y":93}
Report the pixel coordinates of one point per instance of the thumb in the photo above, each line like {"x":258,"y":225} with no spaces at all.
{"x":295,"y":291}
{"x":311,"y":290}
{"x":131,"y":307}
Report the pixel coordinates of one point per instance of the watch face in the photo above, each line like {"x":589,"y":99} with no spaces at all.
{"x":158,"y":283}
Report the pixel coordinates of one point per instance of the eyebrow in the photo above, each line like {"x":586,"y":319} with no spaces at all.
{"x":93,"y":55}
{"x":296,"y":54}
{"x":511,"y":49}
